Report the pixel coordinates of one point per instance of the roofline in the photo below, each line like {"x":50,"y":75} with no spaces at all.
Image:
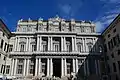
{"x":111,"y":24}
{"x":6,"y":27}
{"x":79,"y":21}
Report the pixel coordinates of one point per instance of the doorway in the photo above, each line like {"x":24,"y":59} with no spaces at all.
{"x":57,"y":67}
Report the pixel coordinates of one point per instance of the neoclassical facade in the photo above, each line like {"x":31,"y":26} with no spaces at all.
{"x":54,"y":48}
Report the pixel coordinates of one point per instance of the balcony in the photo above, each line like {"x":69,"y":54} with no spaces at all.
{"x":53,"y":53}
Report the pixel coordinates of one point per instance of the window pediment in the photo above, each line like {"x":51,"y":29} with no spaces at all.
{"x":79,"y":43}
{"x":22,"y":42}
{"x":32,"y":43}
{"x":89,"y":43}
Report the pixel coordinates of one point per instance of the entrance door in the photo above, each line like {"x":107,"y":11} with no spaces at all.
{"x":57,"y":67}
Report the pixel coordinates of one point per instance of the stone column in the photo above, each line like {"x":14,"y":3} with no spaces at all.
{"x":84,"y":67}
{"x":48,"y":43}
{"x":73,"y":65}
{"x":94,"y":45}
{"x":12,"y":67}
{"x":24,"y":69}
{"x":65,"y":68}
{"x":62,"y":67}
{"x":65,"y":44}
{"x":51,"y":43}
{"x":62,"y":48}
{"x":83,"y":49}
{"x":73,"y":45}
{"x":18,"y":47}
{"x":27,"y":44}
{"x":39,"y":67}
{"x":96,"y":67}
{"x":87,"y":67}
{"x":15,"y":67}
{"x":48,"y":66}
{"x":85,"y":45}
{"x":27,"y":71}
{"x":51,"y":67}
{"x":36,"y":67}
{"x":76,"y":65}
{"x":15,"y":45}
{"x":98,"y":62}
{"x":38,"y":43}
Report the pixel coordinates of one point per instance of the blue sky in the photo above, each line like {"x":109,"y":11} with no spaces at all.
{"x":101,"y":12}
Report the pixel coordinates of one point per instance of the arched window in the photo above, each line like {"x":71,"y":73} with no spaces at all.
{"x":44,"y":46}
{"x":56,"y":46}
{"x":22,"y":46}
{"x":68,"y":46}
{"x":89,"y":45}
{"x":79,"y":47}
{"x":33,"y":46}
{"x":29,"y":28}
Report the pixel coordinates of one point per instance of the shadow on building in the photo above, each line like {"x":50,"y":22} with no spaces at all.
{"x":94,"y":66}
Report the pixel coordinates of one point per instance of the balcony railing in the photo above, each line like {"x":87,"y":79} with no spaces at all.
{"x":53,"y":53}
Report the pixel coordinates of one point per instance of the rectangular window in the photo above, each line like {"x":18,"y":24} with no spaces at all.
{"x":117,"y":39}
{"x":20,"y":66}
{"x":105,"y":48}
{"x":68,"y":47}
{"x":5,"y":46}
{"x":1,"y":44}
{"x":114,"y":67}
{"x":7,"y":69}
{"x":10,"y":48}
{"x":119,"y":65}
{"x":111,"y":42}
{"x":114,"y":41}
{"x":109,"y":45}
{"x":31,"y":67}
{"x":56,"y":47}
{"x":33,"y":47}
{"x":2,"y":68}
{"x":108,"y":35}
{"x":114,"y":30}
{"x":44,"y":47}
{"x":68,"y":68}
{"x":22,"y":48}
{"x":43,"y":67}
{"x":79,"y":48}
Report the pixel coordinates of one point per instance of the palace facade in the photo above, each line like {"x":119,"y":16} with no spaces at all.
{"x":54,"y":48}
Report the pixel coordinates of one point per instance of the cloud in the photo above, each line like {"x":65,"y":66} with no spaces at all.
{"x":65,"y":8}
{"x":69,"y":7}
{"x":99,"y":26}
{"x":102,"y":23}
{"x":107,"y":14}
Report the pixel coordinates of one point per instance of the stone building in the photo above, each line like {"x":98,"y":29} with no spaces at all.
{"x":54,"y":48}
{"x":5,"y":35}
{"x":111,"y":38}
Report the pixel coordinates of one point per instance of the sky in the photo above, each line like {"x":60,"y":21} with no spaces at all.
{"x":100,"y":12}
